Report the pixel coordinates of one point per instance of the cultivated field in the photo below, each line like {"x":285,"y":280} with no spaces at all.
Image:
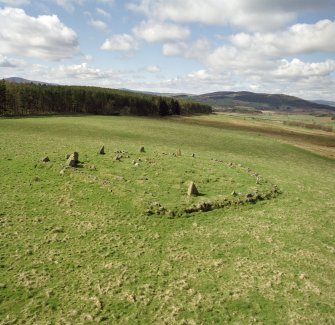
{"x":111,"y":241}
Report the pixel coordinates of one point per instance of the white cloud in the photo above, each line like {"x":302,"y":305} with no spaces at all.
{"x":259,"y":61}
{"x":120,"y":42}
{"x":296,"y":69}
{"x":43,"y":37}
{"x":98,"y":24}
{"x":7,"y":63}
{"x":196,"y":50}
{"x":259,"y":52}
{"x":73,"y":74}
{"x":152,"y":31}
{"x":15,"y":3}
{"x":256,"y":15}
{"x":153,"y":68}
{"x":107,"y":2}
{"x":211,"y":12}
{"x":69,"y":5}
{"x":175,"y":49}
{"x":103,"y":12}
{"x":78,"y":71}
{"x":298,"y":39}
{"x":200,"y":75}
{"x":88,"y":57}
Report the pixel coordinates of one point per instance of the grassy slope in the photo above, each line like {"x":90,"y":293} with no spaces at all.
{"x":73,"y":252}
{"x":317,"y":141}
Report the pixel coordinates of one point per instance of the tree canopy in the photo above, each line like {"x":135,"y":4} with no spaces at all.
{"x":37,"y":99}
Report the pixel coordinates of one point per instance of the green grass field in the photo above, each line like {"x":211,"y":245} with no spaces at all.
{"x":80,"y":248}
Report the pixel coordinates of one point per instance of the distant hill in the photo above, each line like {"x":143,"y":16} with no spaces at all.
{"x":19,"y":80}
{"x":324,"y":102}
{"x":259,"y":101}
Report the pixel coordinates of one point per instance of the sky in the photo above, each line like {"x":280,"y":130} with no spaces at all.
{"x":178,"y":46}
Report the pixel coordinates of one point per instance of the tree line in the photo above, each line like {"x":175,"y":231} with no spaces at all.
{"x":38,"y":99}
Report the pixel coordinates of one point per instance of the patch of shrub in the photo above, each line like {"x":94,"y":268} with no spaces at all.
{"x":309,"y":126}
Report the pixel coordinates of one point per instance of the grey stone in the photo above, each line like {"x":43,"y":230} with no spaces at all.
{"x":142,"y":149}
{"x":102,"y":150}
{"x":233,"y":193}
{"x":45,"y":159}
{"x":192,"y":190}
{"x":118,"y":157}
{"x":72,"y":161}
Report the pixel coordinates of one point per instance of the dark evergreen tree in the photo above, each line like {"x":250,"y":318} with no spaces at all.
{"x":25,"y":99}
{"x":163,"y":107}
{"x":2,"y":97}
{"x":175,"y":107}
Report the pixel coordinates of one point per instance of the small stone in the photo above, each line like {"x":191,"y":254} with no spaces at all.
{"x":62,"y":172}
{"x":59,"y":229}
{"x":36,"y":179}
{"x":170,"y":213}
{"x":93,"y":167}
{"x":136,"y":164}
{"x":233,"y":193}
{"x":3,"y":286}
{"x":72,"y":161}
{"x":193,"y":155}
{"x":76,"y":156}
{"x":102,"y":150}
{"x":118,"y":157}
{"x":45,"y":159}
{"x":67,"y":156}
{"x":142,"y":149}
{"x":192,"y":190}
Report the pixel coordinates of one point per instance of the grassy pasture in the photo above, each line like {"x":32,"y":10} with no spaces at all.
{"x":317,"y":141}
{"x":79,"y":248}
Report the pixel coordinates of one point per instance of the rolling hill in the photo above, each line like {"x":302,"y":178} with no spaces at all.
{"x":224,"y":100}
{"x":324,"y":102}
{"x":19,"y":80}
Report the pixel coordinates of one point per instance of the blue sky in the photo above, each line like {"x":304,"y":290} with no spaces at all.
{"x":193,"y":46}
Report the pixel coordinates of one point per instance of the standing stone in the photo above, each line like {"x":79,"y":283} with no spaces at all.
{"x":142,"y":149}
{"x":72,"y":161}
{"x":102,"y":150}
{"x":193,"y":155}
{"x":45,"y":159}
{"x":178,"y":152}
{"x":192,"y":190}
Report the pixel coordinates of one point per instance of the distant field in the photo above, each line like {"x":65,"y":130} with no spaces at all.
{"x":81,"y":248}
{"x":272,"y":125}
